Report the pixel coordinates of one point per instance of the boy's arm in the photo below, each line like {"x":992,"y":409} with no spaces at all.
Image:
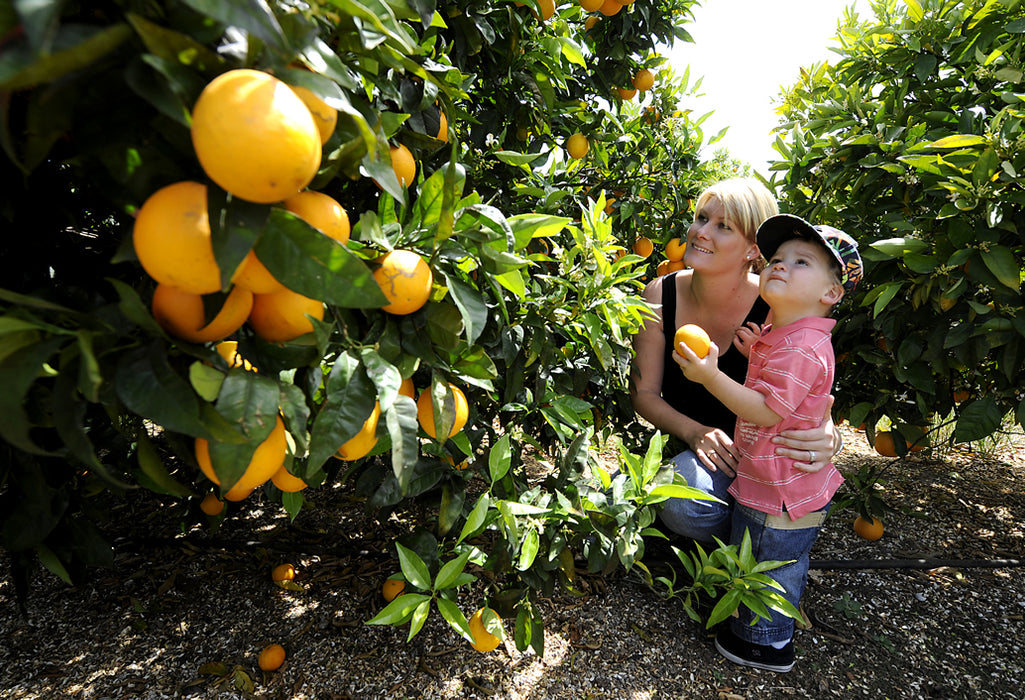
{"x":745,"y":402}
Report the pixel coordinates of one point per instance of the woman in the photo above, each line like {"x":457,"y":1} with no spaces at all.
{"x":719,"y":292}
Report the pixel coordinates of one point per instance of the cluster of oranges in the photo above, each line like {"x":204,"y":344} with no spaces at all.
{"x":674,"y":251}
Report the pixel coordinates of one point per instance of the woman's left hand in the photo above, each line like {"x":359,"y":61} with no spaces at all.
{"x":811,"y":449}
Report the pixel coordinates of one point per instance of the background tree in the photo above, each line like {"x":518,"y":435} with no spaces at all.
{"x":913,"y":142}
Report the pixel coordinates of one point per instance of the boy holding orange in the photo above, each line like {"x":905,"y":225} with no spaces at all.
{"x":789,"y":380}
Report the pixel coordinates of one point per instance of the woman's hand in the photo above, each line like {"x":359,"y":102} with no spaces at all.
{"x":716,"y":451}
{"x":811,"y":449}
{"x":746,"y":336}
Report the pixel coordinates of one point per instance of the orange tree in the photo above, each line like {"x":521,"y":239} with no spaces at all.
{"x":528,"y":309}
{"x":913,"y":143}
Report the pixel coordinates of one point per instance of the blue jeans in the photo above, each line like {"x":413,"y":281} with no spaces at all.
{"x":769,"y":543}
{"x":700,"y":520}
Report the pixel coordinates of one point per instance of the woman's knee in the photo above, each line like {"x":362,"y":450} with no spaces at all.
{"x":699,"y":519}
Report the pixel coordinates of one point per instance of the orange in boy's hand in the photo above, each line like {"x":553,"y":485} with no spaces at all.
{"x":693,"y":337}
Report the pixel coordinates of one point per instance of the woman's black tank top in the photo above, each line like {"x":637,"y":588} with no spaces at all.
{"x":690,"y":398}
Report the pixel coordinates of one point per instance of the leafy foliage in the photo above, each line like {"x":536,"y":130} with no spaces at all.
{"x":913,"y":143}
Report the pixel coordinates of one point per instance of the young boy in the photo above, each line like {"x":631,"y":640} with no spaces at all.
{"x":789,"y":379}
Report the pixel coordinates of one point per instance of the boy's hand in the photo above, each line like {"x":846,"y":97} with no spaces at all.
{"x":697,"y":369}
{"x":746,"y":336}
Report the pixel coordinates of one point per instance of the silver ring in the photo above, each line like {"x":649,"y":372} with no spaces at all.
{"x":811,"y":456}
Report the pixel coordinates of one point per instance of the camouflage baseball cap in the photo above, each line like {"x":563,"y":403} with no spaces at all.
{"x":782,"y":227}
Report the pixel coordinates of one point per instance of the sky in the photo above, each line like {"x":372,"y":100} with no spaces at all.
{"x":746,"y":50}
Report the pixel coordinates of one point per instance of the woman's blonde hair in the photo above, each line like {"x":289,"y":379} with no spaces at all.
{"x":746,"y":203}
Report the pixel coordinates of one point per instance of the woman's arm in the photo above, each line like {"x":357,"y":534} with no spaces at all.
{"x":813,"y":448}
{"x":712,"y":446}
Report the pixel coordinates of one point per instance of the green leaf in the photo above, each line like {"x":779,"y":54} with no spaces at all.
{"x":977,"y":420}
{"x":958,"y":141}
{"x":450,"y":572}
{"x":18,"y":372}
{"x":399,"y":610}
{"x":413,"y":568}
{"x":254,"y":16}
{"x":475,"y":520}
{"x":470,"y":304}
{"x":76,"y":47}
{"x":499,"y":459}
{"x":455,"y":618}
{"x":418,"y":619}
{"x":726,"y":606}
{"x":1004,"y":266}
{"x":528,"y":550}
{"x":153,"y":467}
{"x":314,"y":265}
{"x":51,"y":561}
{"x":681,"y":491}
{"x":350,"y":401}
{"x":206,"y":380}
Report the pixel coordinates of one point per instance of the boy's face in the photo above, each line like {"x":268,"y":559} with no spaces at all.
{"x":799,"y":273}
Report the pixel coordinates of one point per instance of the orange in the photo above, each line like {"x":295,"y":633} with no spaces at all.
{"x":254,"y":276}
{"x":961,"y":395}
{"x":443,"y":127}
{"x":590,"y":5}
{"x":280,"y":316}
{"x":405,"y":278}
{"x":255,"y":137}
{"x":271,"y":658}
{"x":180,"y":313}
{"x":868,"y":528}
{"x":884,"y":444}
{"x":590,"y":22}
{"x":267,"y":459}
{"x":626,"y":93}
{"x":425,"y":411}
{"x":608,"y":206}
{"x":644,"y":80}
{"x":693,"y":337}
{"x":228,"y":349}
{"x":946,"y":303}
{"x":360,"y":444}
{"x":675,"y":249}
{"x":643,"y":246}
{"x":404,"y":165}
{"x":285,"y":481}
{"x":577,"y":146}
{"x":482,"y":639}
{"x":321,"y":212}
{"x":326,"y":118}
{"x":406,"y":388}
{"x":211,"y":504}
{"x":547,"y":9}
{"x":392,"y":589}
{"x":465,"y":464}
{"x":283,"y":572}
{"x":171,"y":236}
{"x":610,"y":7}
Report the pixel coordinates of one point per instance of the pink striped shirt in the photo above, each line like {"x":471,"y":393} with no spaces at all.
{"x":792,"y":367}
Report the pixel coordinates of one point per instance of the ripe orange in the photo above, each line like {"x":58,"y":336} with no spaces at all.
{"x":283,"y":572}
{"x":406,"y":279}
{"x":404,"y":165}
{"x":626,"y":93}
{"x":271,"y":658}
{"x":608,"y":206}
{"x":285,"y":481}
{"x":325,"y":117}
{"x":884,"y":444}
{"x":644,"y":80}
{"x":643,"y":246}
{"x":228,"y":349}
{"x":211,"y":504}
{"x":425,"y":411}
{"x":547,"y":9}
{"x":180,"y":313}
{"x":254,"y":276}
{"x":675,"y":249}
{"x":443,"y":127}
{"x":589,"y":23}
{"x":693,"y":337}
{"x":869,"y":529}
{"x":392,"y":589}
{"x":610,"y":7}
{"x":465,"y":464}
{"x":267,"y":459}
{"x":961,"y":395}
{"x":280,"y":316}
{"x":255,"y":137}
{"x":406,"y":388}
{"x":577,"y":146}
{"x":590,"y":5}
{"x":362,"y":442}
{"x":171,"y":236}
{"x":482,"y":639}
{"x":321,"y":212}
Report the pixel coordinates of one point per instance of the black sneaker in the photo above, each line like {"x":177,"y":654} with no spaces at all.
{"x":744,"y":653}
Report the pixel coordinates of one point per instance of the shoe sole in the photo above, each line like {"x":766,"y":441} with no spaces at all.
{"x":752,"y":664}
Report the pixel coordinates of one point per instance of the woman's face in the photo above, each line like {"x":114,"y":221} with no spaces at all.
{"x":712,"y":244}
